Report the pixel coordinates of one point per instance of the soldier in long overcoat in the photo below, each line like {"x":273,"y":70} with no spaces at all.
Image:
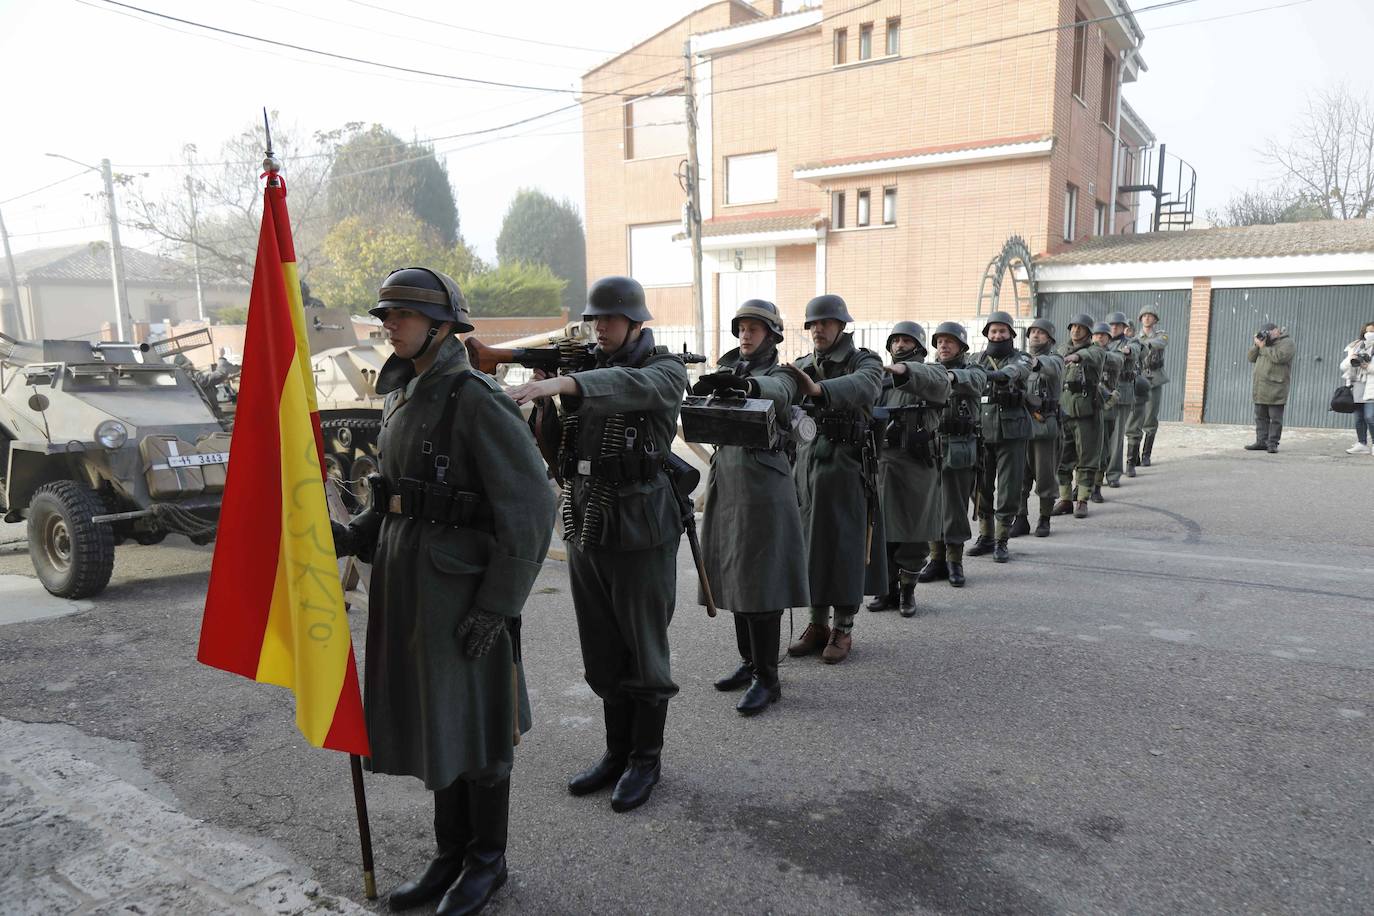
{"x":914,"y":394}
{"x":842,"y":382}
{"x":1042,"y":457}
{"x":751,"y":533}
{"x":622,"y":524}
{"x":959,"y":428}
{"x":455,"y":547}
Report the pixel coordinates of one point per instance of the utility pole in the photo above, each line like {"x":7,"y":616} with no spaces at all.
{"x":11,"y":321}
{"x":116,"y":255}
{"x":694,"y":197}
{"x":195,"y":248}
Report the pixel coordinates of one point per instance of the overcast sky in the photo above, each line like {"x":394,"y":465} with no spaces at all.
{"x":87,"y":81}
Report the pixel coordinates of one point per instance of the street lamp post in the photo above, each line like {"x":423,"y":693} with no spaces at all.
{"x":121,"y":292}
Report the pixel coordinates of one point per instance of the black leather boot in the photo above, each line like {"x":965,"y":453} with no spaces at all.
{"x":906,"y":593}
{"x":1019,"y":526}
{"x":484,"y":867}
{"x":606,"y":771}
{"x":954,"y":557}
{"x":981,"y":546}
{"x":1042,"y":527}
{"x":1096,"y":495}
{"x":745,"y":672}
{"x":452,"y":832}
{"x":1132,"y":459}
{"x":936,"y":567}
{"x":637,"y":782}
{"x":765,"y":633}
{"x":885,"y":602}
{"x":1146,"y":449}
{"x":1000,"y":554}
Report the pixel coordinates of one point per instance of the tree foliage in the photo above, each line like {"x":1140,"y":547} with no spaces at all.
{"x":1328,"y":158}
{"x":513,"y":289}
{"x":376,"y":173}
{"x":1263,"y":207}
{"x":540,"y":230}
{"x":361,"y":251}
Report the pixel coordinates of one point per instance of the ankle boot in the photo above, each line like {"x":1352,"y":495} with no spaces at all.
{"x":981,"y":546}
{"x":934,"y":569}
{"x":484,"y":866}
{"x":637,"y":782}
{"x":885,"y":602}
{"x":1080,"y":510}
{"x":606,"y":771}
{"x":1019,"y":526}
{"x":1063,"y":507}
{"x":812,"y":640}
{"x":1096,"y":495}
{"x":452,"y":833}
{"x":1000,"y":554}
{"x":1042,"y":527}
{"x":1146,"y":449}
{"x":955,"y":560}
{"x":906,"y":592}
{"x":765,"y":633}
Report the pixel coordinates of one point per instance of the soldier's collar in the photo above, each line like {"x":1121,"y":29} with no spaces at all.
{"x":840,"y":350}
{"x":398,"y":373}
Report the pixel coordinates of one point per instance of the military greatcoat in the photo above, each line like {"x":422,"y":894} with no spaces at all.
{"x":910,"y":487}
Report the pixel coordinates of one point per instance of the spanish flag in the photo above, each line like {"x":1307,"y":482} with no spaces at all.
{"x":275,"y":610}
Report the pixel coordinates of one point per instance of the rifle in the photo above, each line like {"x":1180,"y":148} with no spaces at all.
{"x":566,"y":356}
{"x":684,"y":479}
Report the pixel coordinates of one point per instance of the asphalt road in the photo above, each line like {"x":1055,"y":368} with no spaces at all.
{"x":1167,"y":707}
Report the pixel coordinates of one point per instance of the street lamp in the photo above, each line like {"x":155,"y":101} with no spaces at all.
{"x":121,"y":293}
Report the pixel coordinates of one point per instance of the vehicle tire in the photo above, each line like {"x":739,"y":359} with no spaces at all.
{"x":72,"y":555}
{"x":363,"y":465}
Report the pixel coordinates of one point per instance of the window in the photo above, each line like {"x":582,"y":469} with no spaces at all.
{"x":752,"y":178}
{"x":1070,"y":213}
{"x":894,"y":36}
{"x":1100,"y":219}
{"x":655,"y":259}
{"x":836,"y":209}
{"x":863,"y":208}
{"x":1080,"y":46}
{"x":889,"y":206}
{"x":841,"y":40}
{"x":1108,"y":106}
{"x":655,"y":126}
{"x":866,"y":41}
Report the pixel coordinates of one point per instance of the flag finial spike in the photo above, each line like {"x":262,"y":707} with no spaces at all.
{"x":270,"y":164}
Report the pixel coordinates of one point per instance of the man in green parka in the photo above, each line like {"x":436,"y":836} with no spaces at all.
{"x":914,"y":396}
{"x":959,"y":429}
{"x":1042,"y":399}
{"x":1272,"y":353}
{"x":838,"y":500}
{"x":621,"y":523}
{"x":1006,"y":435}
{"x":751,"y":531}
{"x":1081,"y":402}
{"x":457,"y":530}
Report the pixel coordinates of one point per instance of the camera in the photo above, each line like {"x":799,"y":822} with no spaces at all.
{"x":1261,"y":334}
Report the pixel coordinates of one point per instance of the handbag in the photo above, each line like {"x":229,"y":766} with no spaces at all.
{"x":1343,"y":401}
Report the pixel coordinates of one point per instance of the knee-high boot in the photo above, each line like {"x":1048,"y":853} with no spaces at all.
{"x":484,"y":866}
{"x":637,"y":782}
{"x":452,"y":833}
{"x":607,"y":770}
{"x":742,"y":675}
{"x":765,"y":634}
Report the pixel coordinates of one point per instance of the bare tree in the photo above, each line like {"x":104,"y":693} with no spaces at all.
{"x":1265,"y":206}
{"x":1329,"y":158}
{"x":217,"y":207}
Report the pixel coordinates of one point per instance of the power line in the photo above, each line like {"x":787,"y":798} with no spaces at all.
{"x":43,"y":188}
{"x":1262,"y":9}
{"x":336,"y":56}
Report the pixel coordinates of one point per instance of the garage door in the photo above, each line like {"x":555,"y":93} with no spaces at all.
{"x":1321,"y":321}
{"x":1172,"y":306}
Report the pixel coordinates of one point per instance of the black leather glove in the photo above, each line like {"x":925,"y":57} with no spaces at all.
{"x":723,"y":383}
{"x":998,"y":375}
{"x":480,"y":629}
{"x":345,"y":544}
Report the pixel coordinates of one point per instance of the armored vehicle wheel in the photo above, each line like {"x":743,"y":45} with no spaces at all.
{"x":72,"y":555}
{"x":363,"y":465}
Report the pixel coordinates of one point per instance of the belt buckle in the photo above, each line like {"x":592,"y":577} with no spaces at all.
{"x":393,"y":505}
{"x":584,"y":467}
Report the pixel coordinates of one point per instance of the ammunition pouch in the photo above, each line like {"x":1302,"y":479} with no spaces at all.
{"x":959,"y":426}
{"x":436,"y":503}
{"x":1006,"y":396}
{"x":906,"y":432}
{"x":619,"y":468}
{"x":960,"y":452}
{"x":842,"y":427}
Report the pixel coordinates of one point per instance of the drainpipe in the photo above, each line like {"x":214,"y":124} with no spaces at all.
{"x":1116,"y":146}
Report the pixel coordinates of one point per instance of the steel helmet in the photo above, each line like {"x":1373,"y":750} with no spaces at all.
{"x":910,"y":329}
{"x":827,"y":306}
{"x":1000,"y":318}
{"x":617,"y":296}
{"x":1084,"y":321}
{"x":1118,"y":318}
{"x":764,"y":311}
{"x":429,"y":292}
{"x":1148,"y":310}
{"x":1102,"y":327}
{"x":1043,"y":324}
{"x":951,"y":329}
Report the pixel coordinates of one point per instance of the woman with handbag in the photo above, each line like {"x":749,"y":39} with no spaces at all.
{"x":1355,"y":372}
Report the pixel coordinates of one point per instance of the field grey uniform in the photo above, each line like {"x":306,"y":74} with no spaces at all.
{"x":1006,"y":431}
{"x":1131,"y":352}
{"x":1144,"y":419}
{"x":1042,"y":456}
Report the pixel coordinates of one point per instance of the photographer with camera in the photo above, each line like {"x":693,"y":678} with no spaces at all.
{"x":1355,"y":373}
{"x":1272,"y":353}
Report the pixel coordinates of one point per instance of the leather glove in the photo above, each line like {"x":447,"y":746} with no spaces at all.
{"x":345,"y":544}
{"x":479,"y":629}
{"x":998,"y":375}
{"x":726,"y":382}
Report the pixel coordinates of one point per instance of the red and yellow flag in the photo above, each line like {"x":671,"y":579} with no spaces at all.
{"x":275,"y":611}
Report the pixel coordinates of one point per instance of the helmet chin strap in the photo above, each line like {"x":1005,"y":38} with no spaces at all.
{"x":430,"y":335}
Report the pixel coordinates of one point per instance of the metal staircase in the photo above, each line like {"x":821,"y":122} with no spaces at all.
{"x":1175,"y":202}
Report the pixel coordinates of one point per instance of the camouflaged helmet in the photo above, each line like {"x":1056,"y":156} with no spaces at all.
{"x":617,"y":296}
{"x":827,"y":306}
{"x":1102,"y":327}
{"x":1000,"y":318}
{"x":1043,"y":324}
{"x":1118,"y":318}
{"x":764,"y":311}
{"x":432,"y":294}
{"x":951,"y":329}
{"x":1084,"y":321}
{"x":910,"y":329}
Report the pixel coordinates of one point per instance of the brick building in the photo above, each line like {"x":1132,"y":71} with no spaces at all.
{"x":884,"y":151}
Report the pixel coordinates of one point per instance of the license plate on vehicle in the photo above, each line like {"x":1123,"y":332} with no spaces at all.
{"x":197,"y":460}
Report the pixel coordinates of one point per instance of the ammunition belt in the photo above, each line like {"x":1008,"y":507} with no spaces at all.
{"x":621,"y":467}
{"x":438,"y":504}
{"x":842,"y":431}
{"x":959,"y":426}
{"x":1003,"y":396}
